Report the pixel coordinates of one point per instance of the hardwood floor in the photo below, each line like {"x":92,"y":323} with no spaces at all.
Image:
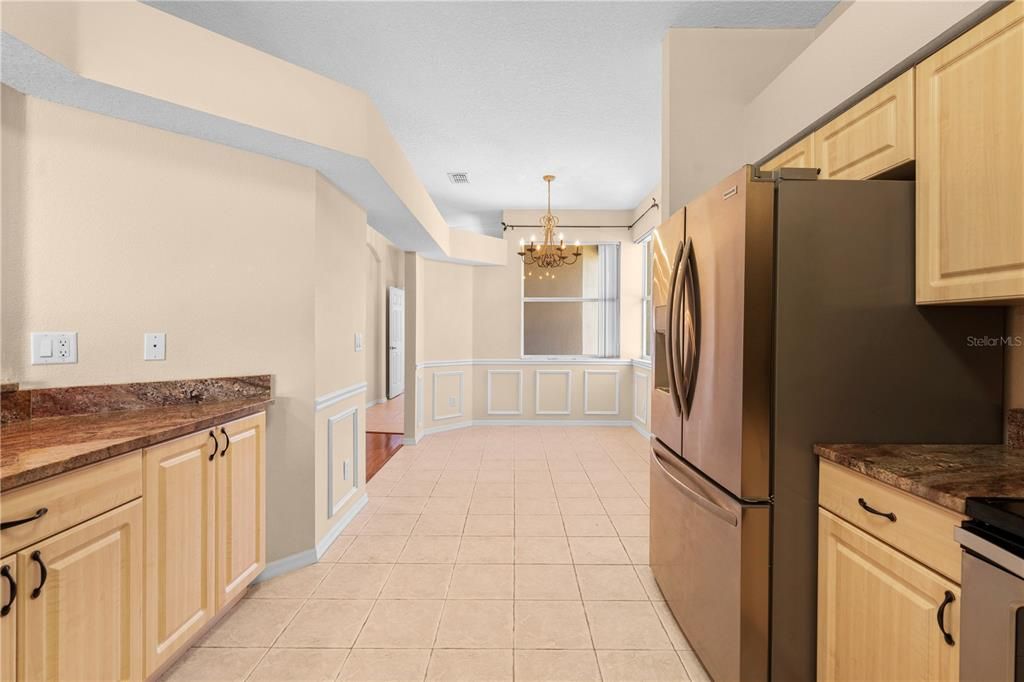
{"x":388,"y":417}
{"x":380,"y":447}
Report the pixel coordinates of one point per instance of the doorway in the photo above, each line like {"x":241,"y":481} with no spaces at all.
{"x":385,"y":421}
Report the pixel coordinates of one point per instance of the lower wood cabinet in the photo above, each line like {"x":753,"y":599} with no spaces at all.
{"x":79,"y":603}
{"x":881,"y":615}
{"x":205,"y":510}
{"x":8,"y":618}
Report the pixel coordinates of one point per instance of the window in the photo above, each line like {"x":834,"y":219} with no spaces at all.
{"x":647,"y":333}
{"x":573,"y":310}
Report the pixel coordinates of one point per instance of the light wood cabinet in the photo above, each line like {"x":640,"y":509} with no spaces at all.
{"x":872,"y":136}
{"x":879,"y":611}
{"x":240,"y":507}
{"x":180,"y":498}
{"x":205,"y":510}
{"x":80,"y":601}
{"x":970,"y":165}
{"x":799,"y":155}
{"x":8,"y":617}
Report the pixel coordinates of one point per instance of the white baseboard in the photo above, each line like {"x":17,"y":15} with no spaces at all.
{"x":346,"y":518}
{"x":411,"y":441}
{"x":378,"y":401}
{"x":641,"y":430}
{"x":287,"y":565}
{"x":525,"y":422}
{"x":306,"y":557}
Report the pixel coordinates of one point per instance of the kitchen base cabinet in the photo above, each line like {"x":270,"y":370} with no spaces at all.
{"x":180,"y":499}
{"x":80,"y":601}
{"x":241,"y":553}
{"x":8,"y":617}
{"x":881,"y":615}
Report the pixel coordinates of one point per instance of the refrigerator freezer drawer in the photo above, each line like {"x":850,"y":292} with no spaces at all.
{"x":710,"y":555}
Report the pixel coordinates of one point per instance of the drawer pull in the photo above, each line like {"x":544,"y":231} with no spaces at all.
{"x":871,"y":510}
{"x":40,"y":513}
{"x":941,"y":617}
{"x":38,"y":558}
{"x":227,"y":441}
{"x":6,"y":608}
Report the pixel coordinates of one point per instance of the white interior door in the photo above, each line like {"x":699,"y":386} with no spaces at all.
{"x":396,"y":341}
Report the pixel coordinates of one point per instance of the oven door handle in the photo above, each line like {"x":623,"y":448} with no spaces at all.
{"x":696,"y":497}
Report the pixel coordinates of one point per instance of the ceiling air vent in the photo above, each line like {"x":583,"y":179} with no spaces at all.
{"x":458,"y":178}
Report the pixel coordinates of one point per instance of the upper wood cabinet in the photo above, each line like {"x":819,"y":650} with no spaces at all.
{"x":970,"y":165}
{"x":881,"y":615}
{"x":8,"y":618}
{"x":800,"y":155}
{"x":241,"y":485}
{"x":181,"y":513}
{"x":871,"y":137}
{"x":80,"y":601}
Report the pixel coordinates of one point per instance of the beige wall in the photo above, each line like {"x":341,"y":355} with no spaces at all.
{"x":385,"y":267}
{"x":447,"y":311}
{"x":113,"y":229}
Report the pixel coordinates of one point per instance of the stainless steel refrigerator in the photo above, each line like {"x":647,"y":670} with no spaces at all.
{"x":785,"y":316}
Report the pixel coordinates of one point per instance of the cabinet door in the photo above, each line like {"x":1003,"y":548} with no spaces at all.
{"x":85,"y":621}
{"x":970,"y":165}
{"x":800,"y":155}
{"x":240,"y":507}
{"x":870,"y":137}
{"x":878,"y":609}
{"x":180,"y":489}
{"x":8,"y":618}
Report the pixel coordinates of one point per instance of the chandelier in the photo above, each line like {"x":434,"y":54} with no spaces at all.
{"x":547,"y":254}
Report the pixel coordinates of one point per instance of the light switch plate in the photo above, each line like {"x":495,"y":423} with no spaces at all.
{"x":54,"y":348}
{"x":359,"y":342}
{"x":155,"y":346}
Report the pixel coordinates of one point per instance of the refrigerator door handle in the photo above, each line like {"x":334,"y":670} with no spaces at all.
{"x":671,"y":339}
{"x":689,"y":327}
{"x":700,"y":500}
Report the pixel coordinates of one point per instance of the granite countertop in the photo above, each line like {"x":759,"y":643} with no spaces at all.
{"x":34,"y":449}
{"x":944,"y":474}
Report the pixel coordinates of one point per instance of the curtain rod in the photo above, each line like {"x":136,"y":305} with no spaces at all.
{"x":654,"y":204}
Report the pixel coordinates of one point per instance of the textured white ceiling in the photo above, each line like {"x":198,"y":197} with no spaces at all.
{"x":506,"y":91}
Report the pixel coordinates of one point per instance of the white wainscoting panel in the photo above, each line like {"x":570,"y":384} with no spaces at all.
{"x":552,"y":377}
{"x":641,"y":395}
{"x":596,"y":386}
{"x":440,"y":377}
{"x":504,"y":391}
{"x":342,"y":459}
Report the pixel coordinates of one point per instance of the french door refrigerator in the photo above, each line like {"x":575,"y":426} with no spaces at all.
{"x":785,"y":316}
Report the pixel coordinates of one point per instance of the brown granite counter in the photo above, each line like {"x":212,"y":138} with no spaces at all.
{"x":944,"y":474}
{"x":34,"y":449}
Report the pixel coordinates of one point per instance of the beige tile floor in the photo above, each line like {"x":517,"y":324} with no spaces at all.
{"x":491,"y":553}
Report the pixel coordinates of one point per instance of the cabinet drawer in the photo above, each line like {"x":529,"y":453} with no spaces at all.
{"x":921,"y":530}
{"x":876,"y":134}
{"x":69,"y":499}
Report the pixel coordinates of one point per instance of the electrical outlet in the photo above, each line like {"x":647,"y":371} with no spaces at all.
{"x":154,"y":346}
{"x":451,"y":401}
{"x":54,"y":348}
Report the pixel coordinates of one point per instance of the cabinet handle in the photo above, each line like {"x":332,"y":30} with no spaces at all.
{"x":40,"y":513}
{"x":871,"y":510}
{"x":227,"y":441}
{"x":940,"y":616}
{"x":38,"y":558}
{"x":216,"y":445}
{"x":6,"y":572}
